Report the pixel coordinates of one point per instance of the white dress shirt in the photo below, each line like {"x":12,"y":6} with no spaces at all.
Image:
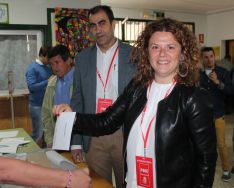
{"x":103,"y":64}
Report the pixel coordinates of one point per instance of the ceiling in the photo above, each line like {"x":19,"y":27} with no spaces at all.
{"x":186,"y":6}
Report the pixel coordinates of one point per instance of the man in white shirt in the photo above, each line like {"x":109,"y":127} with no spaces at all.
{"x":101,"y":73}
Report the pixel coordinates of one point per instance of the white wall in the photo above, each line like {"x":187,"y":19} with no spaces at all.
{"x":199,"y":20}
{"x":35,"y":11}
{"x":215,"y":27}
{"x":220,"y":28}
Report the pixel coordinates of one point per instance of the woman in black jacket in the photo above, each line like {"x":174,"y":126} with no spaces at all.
{"x":168,"y":128}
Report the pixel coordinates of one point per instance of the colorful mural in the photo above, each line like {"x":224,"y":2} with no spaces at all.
{"x":71,"y":29}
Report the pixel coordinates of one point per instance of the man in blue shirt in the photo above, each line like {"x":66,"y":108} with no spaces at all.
{"x":59,"y":89}
{"x":37,"y":76}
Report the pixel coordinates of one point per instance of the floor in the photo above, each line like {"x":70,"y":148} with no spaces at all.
{"x":218,"y":183}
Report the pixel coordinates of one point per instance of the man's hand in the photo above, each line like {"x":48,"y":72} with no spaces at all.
{"x":81,"y":178}
{"x":77,"y":155}
{"x":213,"y":77}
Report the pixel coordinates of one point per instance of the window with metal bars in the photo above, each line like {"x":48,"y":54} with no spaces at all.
{"x":130,"y":30}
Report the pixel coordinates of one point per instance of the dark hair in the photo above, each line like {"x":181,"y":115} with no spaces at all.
{"x":61,"y":50}
{"x":207,"y":49}
{"x":44,"y":50}
{"x":189,"y":51}
{"x":104,"y":8}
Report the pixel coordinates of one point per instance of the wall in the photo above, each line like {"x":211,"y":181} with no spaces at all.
{"x":220,"y":28}
{"x":199,"y":20}
{"x":35,"y":11}
{"x":14,"y":54}
{"x":216,"y":27}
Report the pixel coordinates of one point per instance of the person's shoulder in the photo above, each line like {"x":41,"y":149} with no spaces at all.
{"x":124,"y":45}
{"x":86,"y":52}
{"x":135,"y":88}
{"x":220,"y":69}
{"x":84,"y":56}
{"x":191,"y":91}
{"x":32,"y":66}
{"x":192,"y":95}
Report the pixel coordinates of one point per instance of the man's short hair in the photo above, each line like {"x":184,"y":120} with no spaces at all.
{"x":207,"y":49}
{"x":104,"y":8}
{"x":44,"y":50}
{"x":61,"y":50}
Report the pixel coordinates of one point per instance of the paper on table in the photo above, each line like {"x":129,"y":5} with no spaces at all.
{"x":63,"y":129}
{"x":8,"y":149}
{"x":14,"y":141}
{"x":8,"y":134}
{"x":10,"y":145}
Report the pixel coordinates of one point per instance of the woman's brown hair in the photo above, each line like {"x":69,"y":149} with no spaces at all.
{"x":189,"y":50}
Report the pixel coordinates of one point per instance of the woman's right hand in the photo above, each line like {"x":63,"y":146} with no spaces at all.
{"x":58,"y":109}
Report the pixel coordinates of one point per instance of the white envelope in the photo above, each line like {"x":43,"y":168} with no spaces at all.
{"x":63,"y":130}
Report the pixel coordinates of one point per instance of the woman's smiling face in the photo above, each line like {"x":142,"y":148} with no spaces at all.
{"x":164,"y":56}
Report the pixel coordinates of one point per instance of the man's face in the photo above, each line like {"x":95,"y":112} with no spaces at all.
{"x":101,"y":28}
{"x":208,"y":59}
{"x":59,"y":66}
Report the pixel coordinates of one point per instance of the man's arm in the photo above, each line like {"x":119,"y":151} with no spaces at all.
{"x":223,"y":81}
{"x":22,"y":173}
{"x":47,"y":117}
{"x":201,"y":128}
{"x":32,"y":82}
{"x":77,"y":106}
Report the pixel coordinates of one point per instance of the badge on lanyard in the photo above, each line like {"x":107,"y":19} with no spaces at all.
{"x":103,"y":104}
{"x":144,"y":171}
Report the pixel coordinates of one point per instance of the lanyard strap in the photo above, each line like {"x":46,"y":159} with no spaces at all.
{"x":108,"y":73}
{"x":145,"y":138}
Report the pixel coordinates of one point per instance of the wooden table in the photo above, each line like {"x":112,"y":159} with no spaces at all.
{"x":21,"y":112}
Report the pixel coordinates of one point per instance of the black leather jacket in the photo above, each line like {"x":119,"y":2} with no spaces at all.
{"x":185,"y":138}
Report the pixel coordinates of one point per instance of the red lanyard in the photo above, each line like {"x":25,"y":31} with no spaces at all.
{"x":145,"y":138}
{"x":108,"y":73}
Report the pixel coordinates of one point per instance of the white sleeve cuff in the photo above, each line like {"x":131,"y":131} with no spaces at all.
{"x":74,"y":147}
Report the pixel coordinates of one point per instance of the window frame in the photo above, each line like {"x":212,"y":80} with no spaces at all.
{"x":191,"y":26}
{"x":123,"y":28}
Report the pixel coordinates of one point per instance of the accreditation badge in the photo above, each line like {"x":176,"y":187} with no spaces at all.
{"x":144,"y":171}
{"x":103,"y":104}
